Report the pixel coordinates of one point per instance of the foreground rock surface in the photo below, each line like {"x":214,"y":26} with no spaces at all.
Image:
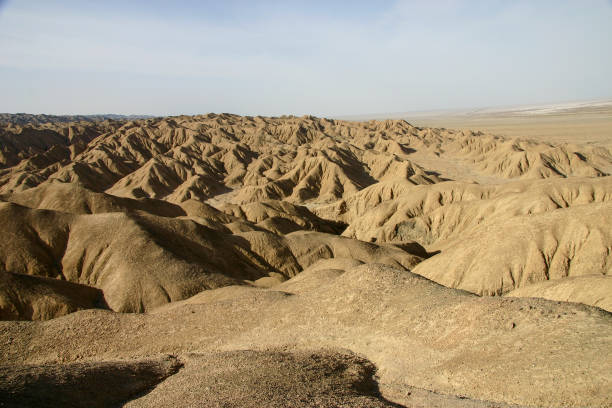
{"x":416,"y":332}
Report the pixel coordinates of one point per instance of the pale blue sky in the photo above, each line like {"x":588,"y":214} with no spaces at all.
{"x":310,"y":57}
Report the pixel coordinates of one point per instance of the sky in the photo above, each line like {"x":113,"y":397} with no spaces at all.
{"x":325,"y":58}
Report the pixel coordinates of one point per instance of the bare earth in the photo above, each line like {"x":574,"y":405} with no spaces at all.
{"x":228,"y":261}
{"x":563,"y":123}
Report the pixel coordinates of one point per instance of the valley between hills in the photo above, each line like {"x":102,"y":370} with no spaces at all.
{"x":233,"y":261}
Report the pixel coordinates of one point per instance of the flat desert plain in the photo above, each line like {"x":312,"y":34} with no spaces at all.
{"x":586,"y":122}
{"x":235,"y":261}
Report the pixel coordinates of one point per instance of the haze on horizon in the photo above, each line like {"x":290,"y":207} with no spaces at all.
{"x":285,"y":57}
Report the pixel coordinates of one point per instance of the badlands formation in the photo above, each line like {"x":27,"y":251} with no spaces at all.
{"x":228,"y":261}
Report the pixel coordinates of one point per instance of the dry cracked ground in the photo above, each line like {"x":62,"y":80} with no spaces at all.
{"x":228,"y":261}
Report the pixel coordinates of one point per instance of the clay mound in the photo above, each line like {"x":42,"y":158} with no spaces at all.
{"x":45,"y":162}
{"x":37,"y":153}
{"x":594,"y":290}
{"x":197,"y":157}
{"x":309,"y":247}
{"x":24,"y":297}
{"x":452,"y":343}
{"x":352,"y":207}
{"x":269,"y":379}
{"x":194,"y":208}
{"x":281,"y":215}
{"x":297,"y":159}
{"x":72,"y":198}
{"x":318,"y":274}
{"x":141,"y":261}
{"x":324,"y":175}
{"x":81,"y":384}
{"x":309,"y":280}
{"x":37,"y":240}
{"x":498,"y":257}
{"x":105,"y":160}
{"x":404,"y":198}
{"x":227,"y":295}
{"x":527,"y":159}
{"x":236,"y":227}
{"x":167,"y":178}
{"x":294,"y":252}
{"x":279,"y":225}
{"x":23,"y":142}
{"x":340,"y":264}
{"x":447,"y":210}
{"x":384,"y":167}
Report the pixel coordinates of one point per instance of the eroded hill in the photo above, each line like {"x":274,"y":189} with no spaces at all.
{"x":291,"y":243}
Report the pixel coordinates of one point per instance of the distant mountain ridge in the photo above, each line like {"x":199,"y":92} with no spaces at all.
{"x":39,"y":119}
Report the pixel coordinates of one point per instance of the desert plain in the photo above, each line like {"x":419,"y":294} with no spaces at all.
{"x":234,"y":261}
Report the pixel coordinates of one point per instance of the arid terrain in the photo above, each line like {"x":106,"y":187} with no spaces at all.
{"x":577,"y":122}
{"x":234,"y":261}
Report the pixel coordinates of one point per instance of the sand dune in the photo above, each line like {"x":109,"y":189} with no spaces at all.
{"x":221,"y":260}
